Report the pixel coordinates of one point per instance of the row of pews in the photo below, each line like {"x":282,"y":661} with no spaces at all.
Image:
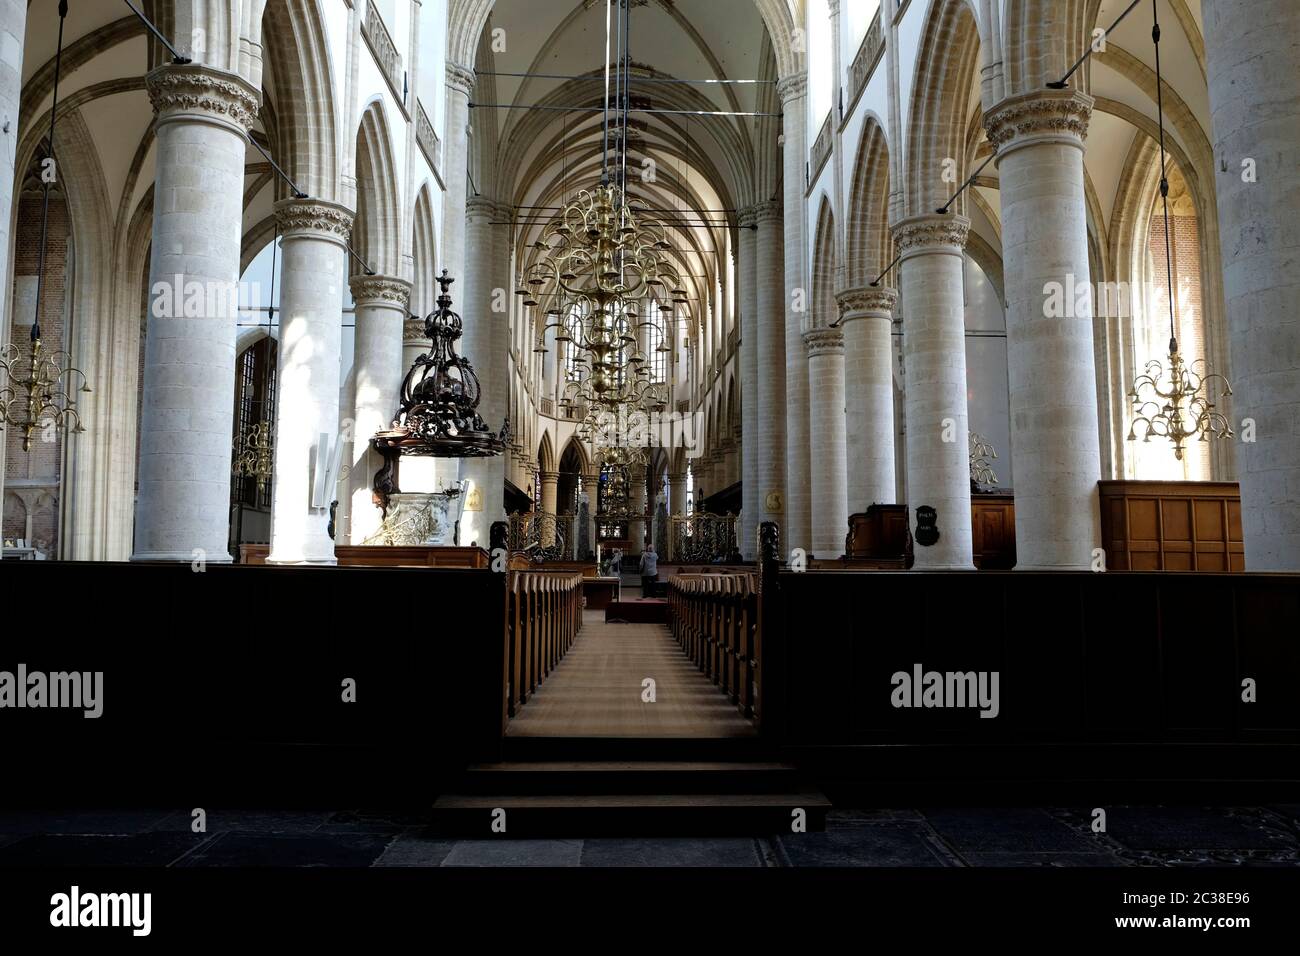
{"x":543,"y":617}
{"x":714,"y":617}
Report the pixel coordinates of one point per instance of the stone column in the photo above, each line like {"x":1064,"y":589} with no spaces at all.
{"x":460,"y":84}
{"x":830,"y":504}
{"x":747,"y":300}
{"x":591,"y":488}
{"x":307,"y":381}
{"x":550,"y":486}
{"x":797,"y":530}
{"x":485,"y":342}
{"x":381,"y":311}
{"x":676,"y":505}
{"x":769,"y":437}
{"x":638,"y":529}
{"x":934,"y":355}
{"x":183,"y":505}
{"x":869,"y":395}
{"x":1055,"y":441}
{"x":1254,"y":87}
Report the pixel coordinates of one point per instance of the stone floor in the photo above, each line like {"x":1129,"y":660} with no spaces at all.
{"x":1033,"y":836}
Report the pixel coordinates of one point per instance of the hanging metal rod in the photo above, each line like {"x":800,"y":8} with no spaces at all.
{"x":1065,"y":80}
{"x":943,"y":210}
{"x":703,"y":224}
{"x":297,"y":193}
{"x":639,"y":208}
{"x":177,"y":57}
{"x":601,"y":109}
{"x":876,"y":281}
{"x":633,"y":79}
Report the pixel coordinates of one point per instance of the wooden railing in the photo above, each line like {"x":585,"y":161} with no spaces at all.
{"x":543,"y":618}
{"x":714,"y":617}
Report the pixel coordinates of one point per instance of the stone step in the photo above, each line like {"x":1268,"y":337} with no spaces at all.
{"x":585,"y":815}
{"x":630,"y":777}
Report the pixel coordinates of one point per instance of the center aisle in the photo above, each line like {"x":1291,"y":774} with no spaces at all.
{"x":596,"y":690}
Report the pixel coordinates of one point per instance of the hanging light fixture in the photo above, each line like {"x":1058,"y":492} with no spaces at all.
{"x":605,"y":276}
{"x":254,"y":455}
{"x":40,"y":386}
{"x":1177,"y":403}
{"x":438,"y":415}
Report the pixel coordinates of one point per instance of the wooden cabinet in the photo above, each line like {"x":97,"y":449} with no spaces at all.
{"x":881,"y":533}
{"x":993,"y":531}
{"x":1172,"y":525}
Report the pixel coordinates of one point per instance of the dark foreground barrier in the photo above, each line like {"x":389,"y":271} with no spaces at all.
{"x":1034,"y":675}
{"x":251,"y":685}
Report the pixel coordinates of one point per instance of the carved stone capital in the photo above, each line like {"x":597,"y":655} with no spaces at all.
{"x":1054,"y":115}
{"x":792,"y":87}
{"x":864,"y":301}
{"x":380,"y":290}
{"x":747,"y":217}
{"x":413,"y":332}
{"x":824,"y":341}
{"x":460,"y":78}
{"x":313,"y":219}
{"x":769,"y":211}
{"x":202,"y":92}
{"x":549,"y":477}
{"x":931,"y":233}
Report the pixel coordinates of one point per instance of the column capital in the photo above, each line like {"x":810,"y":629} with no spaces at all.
{"x":200,"y":92}
{"x":313,"y":218}
{"x":767,"y":211}
{"x":824,"y":341}
{"x":413,"y":331}
{"x":864,"y":301}
{"x":549,"y":476}
{"x":792,"y":87}
{"x":1056,"y":116}
{"x":482,"y":206}
{"x":460,"y":78}
{"x":381,"y":290}
{"x":931,"y":232}
{"x":747,"y":217}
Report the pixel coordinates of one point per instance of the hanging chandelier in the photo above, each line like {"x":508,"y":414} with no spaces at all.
{"x":1176,"y":402}
{"x":40,"y":387}
{"x":254,"y":456}
{"x":605,"y":280}
{"x":438,"y":415}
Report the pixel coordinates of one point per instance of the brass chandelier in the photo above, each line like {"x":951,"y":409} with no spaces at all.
{"x":1177,"y":403}
{"x":604,"y":281}
{"x":40,"y":387}
{"x":254,"y":455}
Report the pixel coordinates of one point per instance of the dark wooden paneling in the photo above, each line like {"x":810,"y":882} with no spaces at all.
{"x":1171,"y":525}
{"x":1084,"y":657}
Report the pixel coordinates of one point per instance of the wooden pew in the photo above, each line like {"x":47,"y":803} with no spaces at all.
{"x":543,"y":619}
{"x":714,"y":618}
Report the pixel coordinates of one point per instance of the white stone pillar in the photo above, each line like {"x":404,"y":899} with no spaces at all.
{"x":1055,"y":441}
{"x":769,"y":436}
{"x":381,"y":311}
{"x":314,"y":234}
{"x":460,"y":83}
{"x":183,"y":506}
{"x":419,"y":473}
{"x":797,"y":529}
{"x":591,"y":488}
{"x":483,"y":306}
{"x":934,"y":355}
{"x":1254,"y":87}
{"x":830,"y":511}
{"x":638,"y":529}
{"x":550,"y":486}
{"x":747,"y":301}
{"x":869,"y":395}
